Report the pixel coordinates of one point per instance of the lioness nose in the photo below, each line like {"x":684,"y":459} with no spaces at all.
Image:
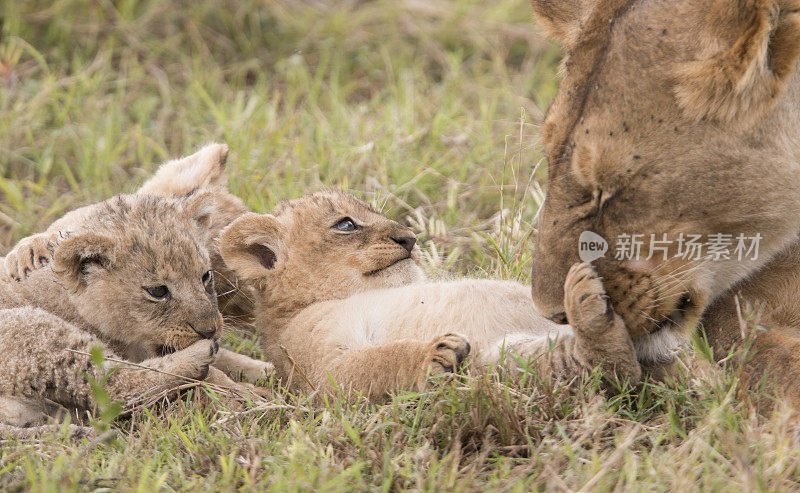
{"x":206,"y":331}
{"x":406,"y":242}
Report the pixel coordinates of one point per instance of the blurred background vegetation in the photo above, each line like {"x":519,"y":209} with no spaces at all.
{"x":426,"y":108}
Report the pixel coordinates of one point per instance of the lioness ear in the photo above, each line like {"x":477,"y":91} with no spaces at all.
{"x":751,"y":50}
{"x":76,"y":256}
{"x":558,"y":17}
{"x":253,"y":245}
{"x":203,"y":169}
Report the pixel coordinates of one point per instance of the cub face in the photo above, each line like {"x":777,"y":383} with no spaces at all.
{"x":323,"y":246}
{"x":140,"y":273}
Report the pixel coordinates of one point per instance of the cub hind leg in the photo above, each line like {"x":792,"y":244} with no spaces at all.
{"x":377,"y":371}
{"x":24,"y":419}
{"x":25,"y":412}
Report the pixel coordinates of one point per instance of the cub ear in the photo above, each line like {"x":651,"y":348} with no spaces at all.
{"x":203,"y":169}
{"x":559,"y":18}
{"x":752,"y":48}
{"x":252,"y":246}
{"x":201,"y":207}
{"x":76,"y":257}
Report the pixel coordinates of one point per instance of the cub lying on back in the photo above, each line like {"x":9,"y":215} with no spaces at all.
{"x":339,"y":291}
{"x":132,"y":273}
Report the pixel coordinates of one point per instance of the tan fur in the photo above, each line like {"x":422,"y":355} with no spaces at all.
{"x":86,"y":288}
{"x":353,"y":307}
{"x":750,"y":51}
{"x":205,"y":170}
{"x":557,"y":17}
{"x":679,"y":117}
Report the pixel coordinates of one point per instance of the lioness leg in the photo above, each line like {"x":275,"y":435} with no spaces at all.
{"x":770,"y":296}
{"x":775,"y":352}
{"x":42,"y":359}
{"x":598,"y":338}
{"x":375,"y":371}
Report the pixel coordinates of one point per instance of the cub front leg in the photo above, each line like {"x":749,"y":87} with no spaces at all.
{"x":162,"y":375}
{"x":377,"y":371}
{"x":445,"y":354}
{"x":240,"y":367}
{"x":601,"y":338}
{"x":597,"y":336}
{"x":45,"y":358}
{"x":31,"y":253}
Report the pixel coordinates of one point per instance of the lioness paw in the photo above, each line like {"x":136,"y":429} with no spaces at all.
{"x":585,"y":300}
{"x":194,"y":361}
{"x":31,"y":253}
{"x":447,"y":353}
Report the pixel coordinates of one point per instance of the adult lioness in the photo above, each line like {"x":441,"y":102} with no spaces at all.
{"x":339,"y":296}
{"x":679,"y":118}
{"x":132,"y":273}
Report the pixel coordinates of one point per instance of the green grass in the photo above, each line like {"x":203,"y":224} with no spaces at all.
{"x":428,"y":109}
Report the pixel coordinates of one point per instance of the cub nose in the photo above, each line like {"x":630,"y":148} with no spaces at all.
{"x":206,"y":331}
{"x":406,"y":242}
{"x":560,"y":318}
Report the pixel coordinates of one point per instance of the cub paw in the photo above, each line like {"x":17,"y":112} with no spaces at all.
{"x":30,"y":254}
{"x":257,"y":372}
{"x":585,"y":300}
{"x":194,"y":361}
{"x":219,"y":378}
{"x":252,"y":372}
{"x":79,"y":432}
{"x":447,"y":353}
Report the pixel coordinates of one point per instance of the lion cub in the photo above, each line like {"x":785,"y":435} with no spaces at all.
{"x":132,"y":273}
{"x":340,"y":297}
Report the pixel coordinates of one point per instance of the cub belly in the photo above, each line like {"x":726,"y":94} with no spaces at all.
{"x":491,"y":314}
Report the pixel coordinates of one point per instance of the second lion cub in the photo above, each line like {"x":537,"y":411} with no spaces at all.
{"x":340,"y":297}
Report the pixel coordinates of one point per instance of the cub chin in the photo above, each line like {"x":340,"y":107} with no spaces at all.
{"x":132,"y":274}
{"x":340,"y":297}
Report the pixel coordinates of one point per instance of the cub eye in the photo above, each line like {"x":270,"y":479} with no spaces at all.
{"x":157,"y":292}
{"x":206,"y":277}
{"x":346,"y":225}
